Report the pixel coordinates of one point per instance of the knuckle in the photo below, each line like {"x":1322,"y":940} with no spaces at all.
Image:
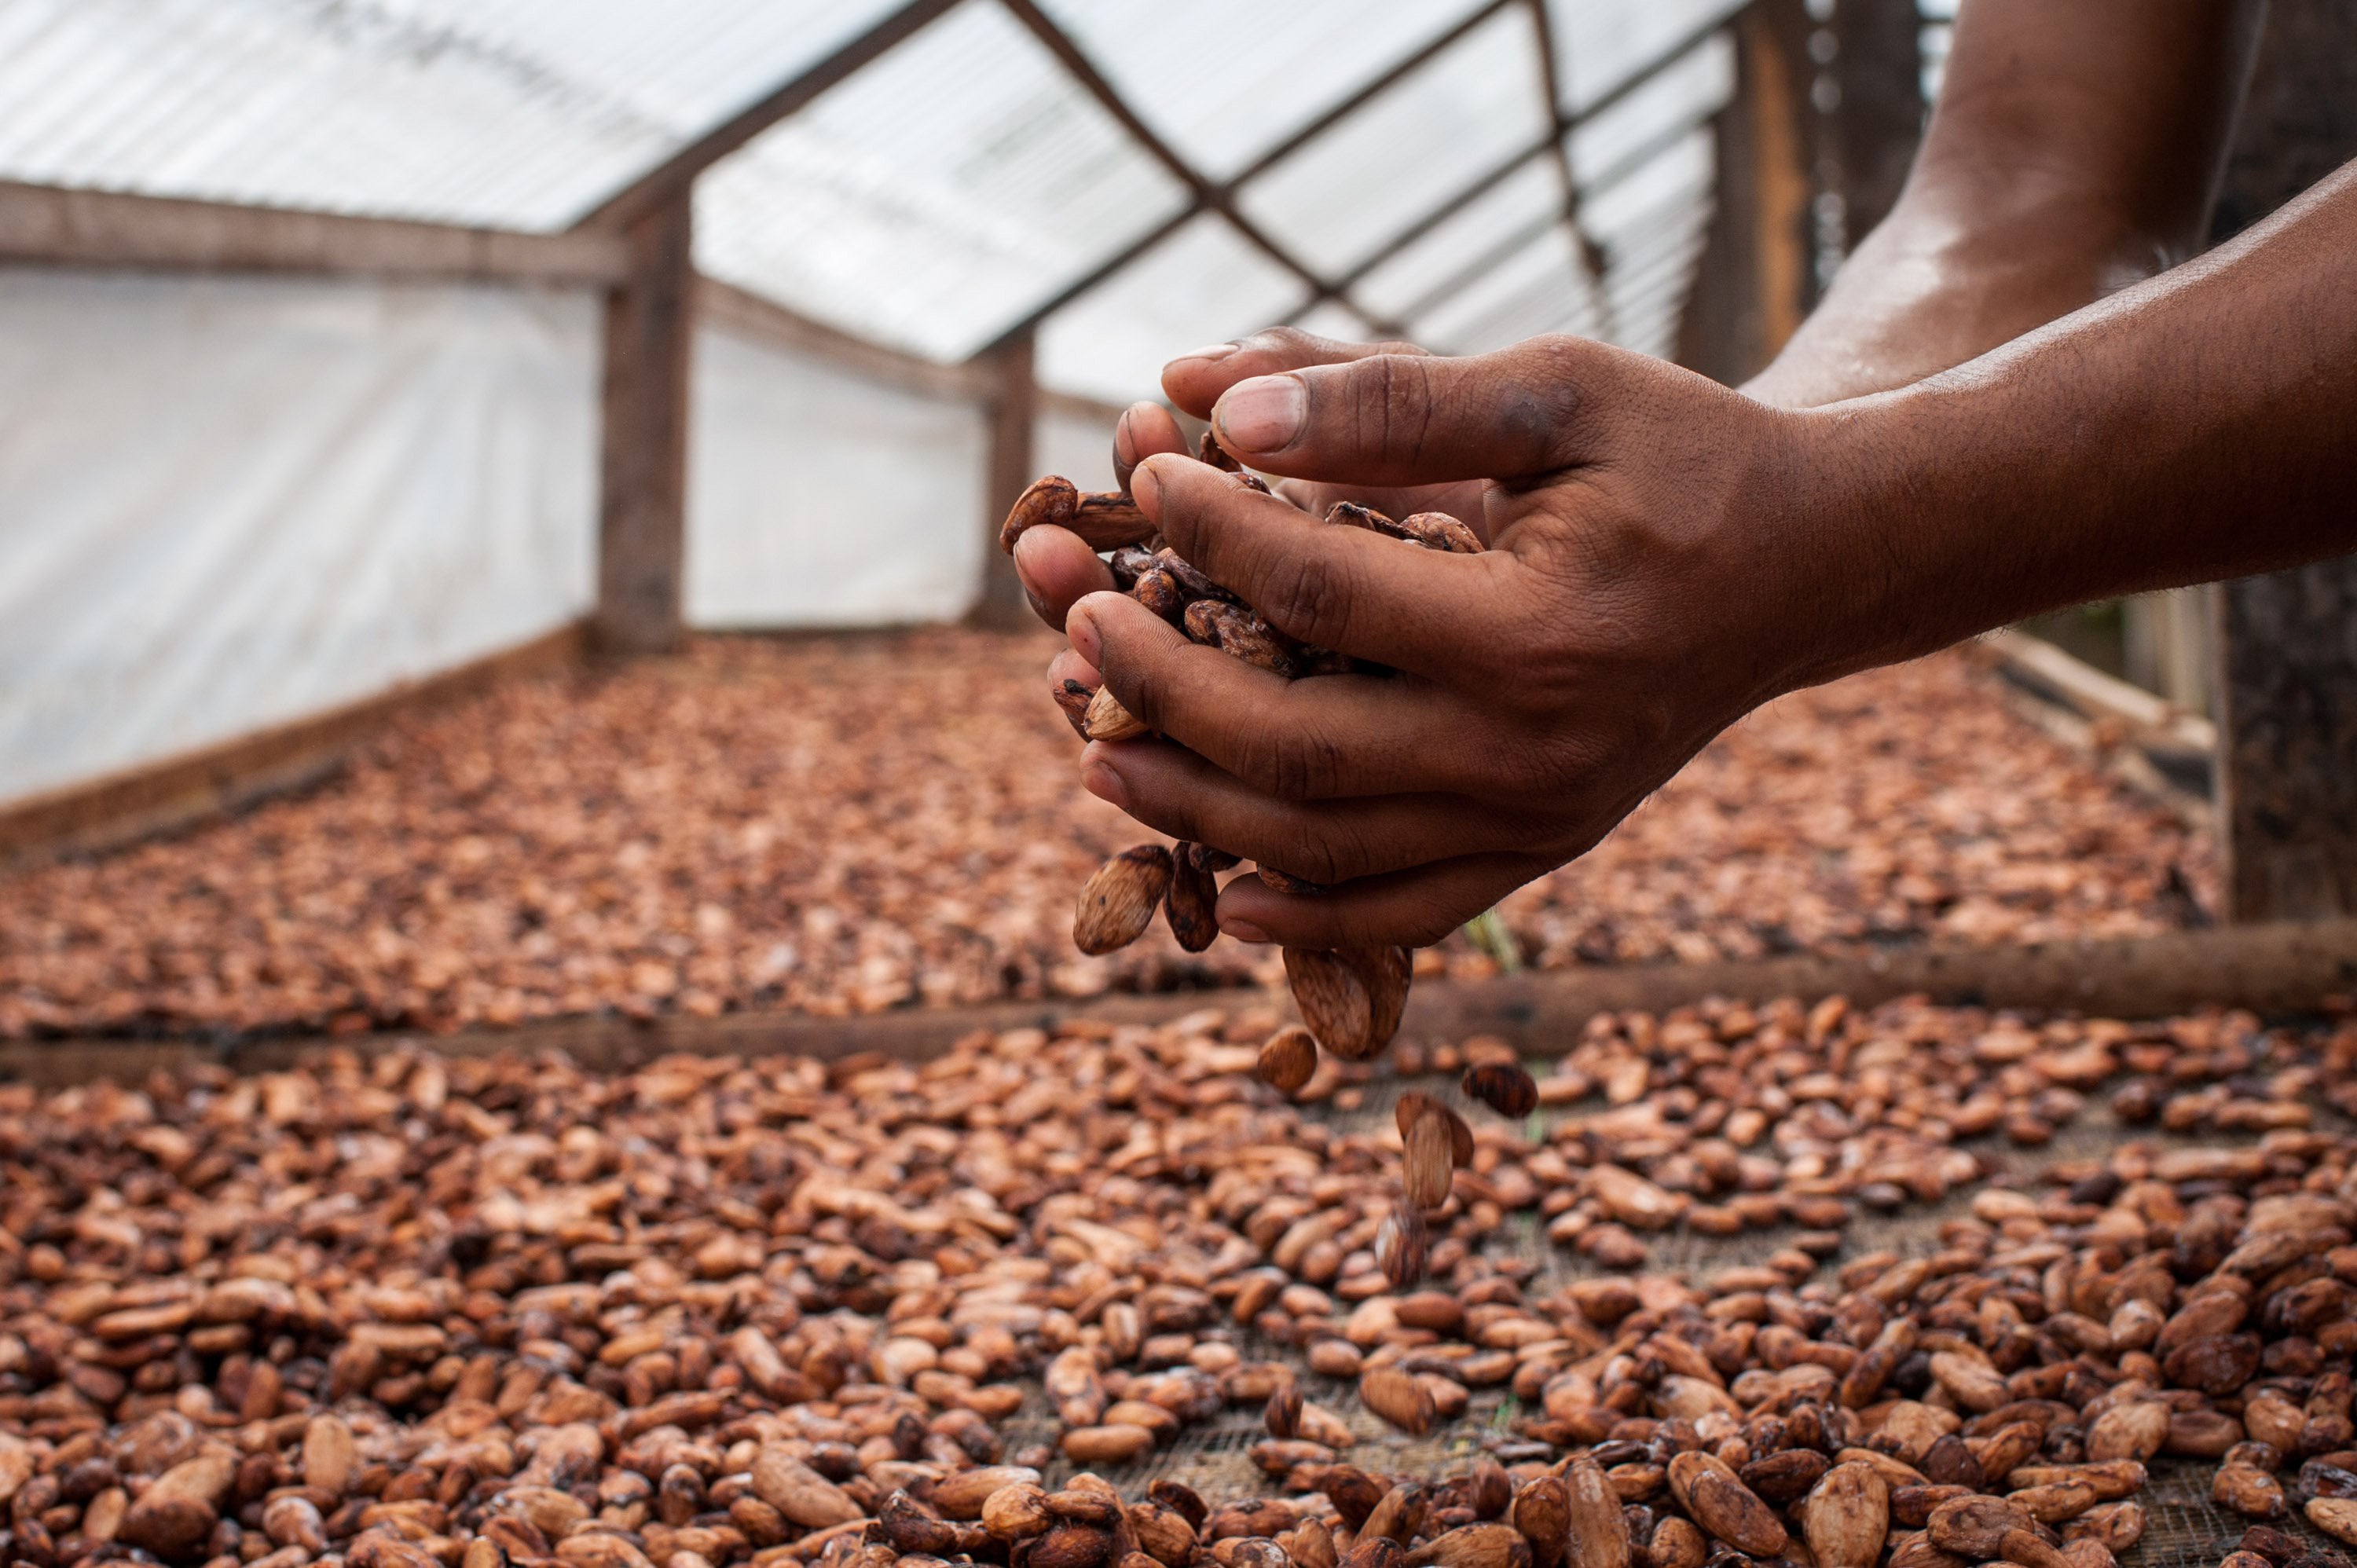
{"x":1535,"y":396}
{"x":1308,"y":596}
{"x":1291,"y":763}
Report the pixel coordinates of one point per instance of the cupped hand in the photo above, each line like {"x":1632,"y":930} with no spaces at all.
{"x":1057,"y":568}
{"x":1651,"y":576}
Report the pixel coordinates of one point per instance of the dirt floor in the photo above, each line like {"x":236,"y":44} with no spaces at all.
{"x":851,"y":824}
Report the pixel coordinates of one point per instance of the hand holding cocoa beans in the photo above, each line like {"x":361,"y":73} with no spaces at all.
{"x":1633,"y":601}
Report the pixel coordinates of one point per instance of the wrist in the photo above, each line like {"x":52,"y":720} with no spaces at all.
{"x":1945,"y":279}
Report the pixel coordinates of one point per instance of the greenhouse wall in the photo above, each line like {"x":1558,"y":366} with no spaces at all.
{"x":821,"y":497}
{"x":229,"y":502}
{"x":1076,"y":443}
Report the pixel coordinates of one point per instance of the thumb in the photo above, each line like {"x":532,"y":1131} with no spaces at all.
{"x":1397,"y":419}
{"x":1194,"y":381}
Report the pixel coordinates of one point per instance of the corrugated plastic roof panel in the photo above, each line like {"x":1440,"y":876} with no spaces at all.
{"x":1331,"y":318}
{"x":1224,"y":81}
{"x":1409,"y":149}
{"x":512,"y":114}
{"x":1206,"y":283}
{"x":1537,"y":289}
{"x":1683,"y":93}
{"x":1518,"y":204}
{"x":1600,"y":44}
{"x":936,"y":196}
{"x":1679,"y":174}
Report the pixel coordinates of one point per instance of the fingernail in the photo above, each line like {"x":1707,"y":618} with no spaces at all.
{"x":1243,"y":930}
{"x":1145,"y":488}
{"x":1263,"y":415}
{"x":1216,"y":351}
{"x":1081,"y":630}
{"x":1099,"y":778}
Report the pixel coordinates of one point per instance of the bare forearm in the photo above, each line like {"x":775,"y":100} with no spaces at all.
{"x":2200,"y":425}
{"x":2074,"y":149}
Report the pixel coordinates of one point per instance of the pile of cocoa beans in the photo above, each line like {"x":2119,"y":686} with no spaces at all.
{"x":1351,"y":1000}
{"x":402,"y":1312}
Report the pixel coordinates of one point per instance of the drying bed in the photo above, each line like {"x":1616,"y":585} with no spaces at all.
{"x":843,"y":825}
{"x":398,"y":1310}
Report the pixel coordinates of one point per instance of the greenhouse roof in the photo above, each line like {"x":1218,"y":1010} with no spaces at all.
{"x":1130,"y":178}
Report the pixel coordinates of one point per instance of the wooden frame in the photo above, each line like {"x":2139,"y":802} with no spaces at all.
{"x":642,"y":497}
{"x":101,"y":229}
{"x":2271,"y":969}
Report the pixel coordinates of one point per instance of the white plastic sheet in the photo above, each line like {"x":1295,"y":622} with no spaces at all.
{"x":818,"y":497}
{"x":1075,"y":443}
{"x":229,"y":503}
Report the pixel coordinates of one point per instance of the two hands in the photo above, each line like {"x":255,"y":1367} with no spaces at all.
{"x":1647,"y":583}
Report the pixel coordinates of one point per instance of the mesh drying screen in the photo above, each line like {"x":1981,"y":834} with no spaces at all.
{"x":2183,"y":1528}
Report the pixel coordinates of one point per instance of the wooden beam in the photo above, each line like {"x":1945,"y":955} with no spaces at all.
{"x":1749,"y":288}
{"x":675,"y":176}
{"x":1302,"y":136}
{"x":1481,"y":184}
{"x":1877,"y":67}
{"x":1014,"y":419}
{"x":642,"y":501}
{"x":2270,"y":968}
{"x":1220,"y":199}
{"x":2286,"y":680}
{"x":54,"y":227}
{"x":760,"y":320}
{"x":174,"y":793}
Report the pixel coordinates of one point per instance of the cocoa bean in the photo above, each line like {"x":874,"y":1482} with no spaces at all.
{"x":1288,"y":1059}
{"x":1118,"y":904}
{"x":1052,"y":501}
{"x":1192,"y":902}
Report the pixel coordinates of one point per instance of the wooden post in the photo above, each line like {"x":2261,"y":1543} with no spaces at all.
{"x":2287,"y":697}
{"x":641,"y":522}
{"x":1877,"y":115}
{"x":1750,"y":286}
{"x":1014,"y":410}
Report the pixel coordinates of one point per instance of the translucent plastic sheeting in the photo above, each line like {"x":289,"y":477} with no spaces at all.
{"x":1509,"y":210}
{"x":1684,"y":93}
{"x":1534,"y":291}
{"x":937,"y":196}
{"x":819,"y":498}
{"x":1224,"y":81}
{"x":1075,"y":443}
{"x":1331,"y":318}
{"x":1600,"y":44}
{"x":513,"y":113}
{"x":1206,"y":283}
{"x":1409,"y":148}
{"x":229,"y":503}
{"x":1679,"y":174}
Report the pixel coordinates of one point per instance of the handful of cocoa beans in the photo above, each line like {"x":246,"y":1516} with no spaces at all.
{"x":1351,"y":999}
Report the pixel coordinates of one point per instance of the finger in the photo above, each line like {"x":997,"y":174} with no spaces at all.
{"x":1176,"y":791}
{"x":1070,"y":666}
{"x":1315,"y":739}
{"x":1410,"y":909}
{"x":1344,"y":588}
{"x":1196,"y":381}
{"x":1467,"y":500}
{"x":1144,"y":429}
{"x":1072,"y":681}
{"x":1058,"y":570}
{"x":1418,"y":419}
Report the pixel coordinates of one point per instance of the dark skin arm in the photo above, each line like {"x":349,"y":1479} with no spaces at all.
{"x":1667,"y":554}
{"x":2075,"y":149}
